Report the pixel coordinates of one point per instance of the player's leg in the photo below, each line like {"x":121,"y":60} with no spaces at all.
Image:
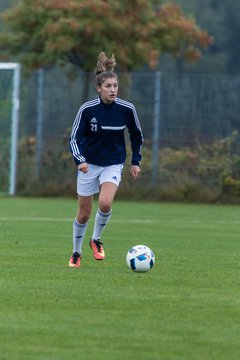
{"x":106,"y":196}
{"x":87,"y":186}
{"x":107,"y":193}
{"x":109,"y":180}
{"x":81,"y":221}
{"x":79,"y":228}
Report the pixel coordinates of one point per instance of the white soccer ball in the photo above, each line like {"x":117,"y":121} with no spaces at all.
{"x":140,"y":258}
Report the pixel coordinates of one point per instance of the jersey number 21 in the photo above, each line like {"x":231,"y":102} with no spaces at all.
{"x":93,"y":127}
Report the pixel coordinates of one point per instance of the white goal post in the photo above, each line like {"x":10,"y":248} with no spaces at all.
{"x":15,"y":67}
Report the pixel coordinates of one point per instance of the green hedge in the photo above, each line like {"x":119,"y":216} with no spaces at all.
{"x":205,"y":173}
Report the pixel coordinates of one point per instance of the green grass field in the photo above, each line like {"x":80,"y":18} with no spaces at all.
{"x":187,"y":307}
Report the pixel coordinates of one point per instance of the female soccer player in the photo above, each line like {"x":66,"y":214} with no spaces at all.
{"x":98,"y":148}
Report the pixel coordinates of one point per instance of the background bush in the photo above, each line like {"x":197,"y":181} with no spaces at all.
{"x":205,"y":173}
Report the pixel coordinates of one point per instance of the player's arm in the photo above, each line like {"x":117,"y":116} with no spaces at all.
{"x":136,"y":138}
{"x":77,"y":134}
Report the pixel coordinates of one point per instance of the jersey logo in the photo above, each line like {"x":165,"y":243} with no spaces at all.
{"x":93,"y":123}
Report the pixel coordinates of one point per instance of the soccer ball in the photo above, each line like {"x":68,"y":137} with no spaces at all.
{"x":140,"y":258}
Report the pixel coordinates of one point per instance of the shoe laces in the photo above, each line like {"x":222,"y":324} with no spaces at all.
{"x":98,"y":244}
{"x":75,"y":257}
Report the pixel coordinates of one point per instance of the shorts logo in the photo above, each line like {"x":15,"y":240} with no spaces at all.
{"x":114,"y":178}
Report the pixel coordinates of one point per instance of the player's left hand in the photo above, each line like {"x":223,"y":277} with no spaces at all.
{"x":135,"y":171}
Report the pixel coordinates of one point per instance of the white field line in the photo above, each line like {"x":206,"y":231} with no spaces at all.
{"x":125,"y":221}
{"x":43,"y":219}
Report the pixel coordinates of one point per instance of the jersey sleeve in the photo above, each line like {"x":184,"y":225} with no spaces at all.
{"x":76,"y":137}
{"x":136,"y":138}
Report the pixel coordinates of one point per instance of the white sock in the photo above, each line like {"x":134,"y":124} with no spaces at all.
{"x":79,"y":231}
{"x":101,"y":220}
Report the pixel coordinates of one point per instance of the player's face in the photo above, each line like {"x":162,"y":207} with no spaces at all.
{"x":108,"y":90}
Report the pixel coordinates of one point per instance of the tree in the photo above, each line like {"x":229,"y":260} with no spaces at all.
{"x":221,"y":19}
{"x":230,"y":41}
{"x":45,"y":32}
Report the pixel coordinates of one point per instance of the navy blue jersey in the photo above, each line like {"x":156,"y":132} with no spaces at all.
{"x":97,"y":135}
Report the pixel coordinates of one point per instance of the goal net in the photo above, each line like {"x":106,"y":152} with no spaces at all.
{"x":9,"y":110}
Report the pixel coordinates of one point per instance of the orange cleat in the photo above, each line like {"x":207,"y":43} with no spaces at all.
{"x":75,"y":260}
{"x":98,"y":251}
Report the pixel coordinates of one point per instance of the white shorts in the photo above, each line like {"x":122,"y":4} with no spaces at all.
{"x":89,"y":183}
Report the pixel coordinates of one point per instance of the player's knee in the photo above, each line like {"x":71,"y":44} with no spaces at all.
{"x":83,"y":217}
{"x":105,"y":205}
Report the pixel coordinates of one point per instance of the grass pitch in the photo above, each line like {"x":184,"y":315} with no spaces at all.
{"x":187,"y":307}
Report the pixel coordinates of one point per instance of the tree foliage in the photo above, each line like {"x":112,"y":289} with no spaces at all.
{"x":45,"y":32}
{"x":230,"y":40}
{"x":222,"y":20}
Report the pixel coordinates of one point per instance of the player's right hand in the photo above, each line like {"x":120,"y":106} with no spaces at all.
{"x":83,"y":167}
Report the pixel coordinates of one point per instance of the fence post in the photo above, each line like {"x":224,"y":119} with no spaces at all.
{"x":39,"y":125}
{"x":156,"y":128}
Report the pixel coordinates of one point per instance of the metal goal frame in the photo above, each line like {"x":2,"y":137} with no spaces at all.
{"x":14,"y":122}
